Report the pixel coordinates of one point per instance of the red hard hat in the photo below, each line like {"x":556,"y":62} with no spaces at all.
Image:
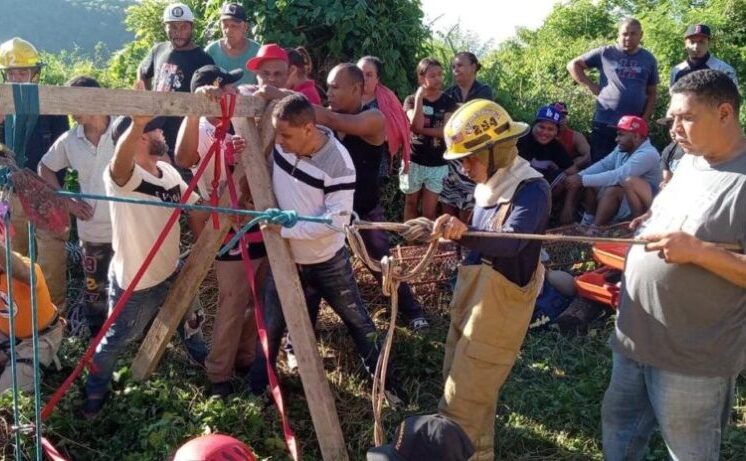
{"x":214,"y":447}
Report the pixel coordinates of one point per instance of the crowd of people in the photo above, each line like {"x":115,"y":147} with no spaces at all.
{"x":466,"y":165}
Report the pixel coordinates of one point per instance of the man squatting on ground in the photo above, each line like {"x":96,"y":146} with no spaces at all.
{"x":495,"y":293}
{"x":680,"y":338}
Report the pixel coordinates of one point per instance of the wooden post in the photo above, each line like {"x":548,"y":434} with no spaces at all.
{"x":56,"y":100}
{"x":318,"y":394}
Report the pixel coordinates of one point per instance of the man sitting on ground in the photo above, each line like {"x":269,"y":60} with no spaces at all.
{"x":622,"y":185}
{"x":574,"y":142}
{"x":136,"y":171}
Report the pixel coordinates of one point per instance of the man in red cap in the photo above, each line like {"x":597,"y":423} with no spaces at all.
{"x":697,"y":43}
{"x":621,"y":185}
{"x":271,"y":67}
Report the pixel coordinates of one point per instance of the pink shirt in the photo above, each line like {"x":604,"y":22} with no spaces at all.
{"x":308,"y":89}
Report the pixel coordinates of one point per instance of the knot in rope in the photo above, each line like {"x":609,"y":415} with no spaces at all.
{"x":418,"y":230}
{"x":285,"y":218}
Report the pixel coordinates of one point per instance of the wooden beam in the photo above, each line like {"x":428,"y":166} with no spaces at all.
{"x":181,"y":294}
{"x":318,"y":394}
{"x":57,"y":100}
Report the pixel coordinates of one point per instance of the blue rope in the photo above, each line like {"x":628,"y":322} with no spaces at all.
{"x":287,"y":218}
{"x":35,"y":341}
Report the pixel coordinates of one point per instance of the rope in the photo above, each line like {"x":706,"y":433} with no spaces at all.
{"x":393,"y":274}
{"x":276,"y":217}
{"x":35,"y":341}
{"x":287,"y":218}
{"x":420,"y":231}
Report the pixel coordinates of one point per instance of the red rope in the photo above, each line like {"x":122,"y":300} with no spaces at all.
{"x":274,"y":383}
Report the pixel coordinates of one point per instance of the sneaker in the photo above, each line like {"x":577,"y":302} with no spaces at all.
{"x":418,"y":324}
{"x":93,"y":405}
{"x":221,"y":390}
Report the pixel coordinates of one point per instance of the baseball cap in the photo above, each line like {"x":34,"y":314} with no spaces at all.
{"x":233,"y":11}
{"x":122,"y":123}
{"x":549,"y":114}
{"x":634,"y":124}
{"x":176,"y":12}
{"x":214,"y":75}
{"x":425,"y":437}
{"x":266,"y":52}
{"x":698,"y":29}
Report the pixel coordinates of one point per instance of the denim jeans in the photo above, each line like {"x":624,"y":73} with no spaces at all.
{"x":377,"y":244}
{"x":602,"y":141}
{"x":692,"y":412}
{"x":333,"y":281}
{"x":134,"y":319}
{"x":96,"y":259}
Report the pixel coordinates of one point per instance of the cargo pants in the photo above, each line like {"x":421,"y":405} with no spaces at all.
{"x":489,"y":319}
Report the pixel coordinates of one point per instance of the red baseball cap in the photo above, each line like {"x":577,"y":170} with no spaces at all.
{"x":266,"y":52}
{"x":634,"y":124}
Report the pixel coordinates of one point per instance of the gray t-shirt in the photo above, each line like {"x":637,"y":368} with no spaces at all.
{"x":681,"y":317}
{"x":624,"y":79}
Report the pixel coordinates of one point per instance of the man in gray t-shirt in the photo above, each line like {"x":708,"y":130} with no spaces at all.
{"x":680,"y":338}
{"x":628,"y":75}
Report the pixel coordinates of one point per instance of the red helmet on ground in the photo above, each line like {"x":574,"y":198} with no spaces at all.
{"x":214,"y":447}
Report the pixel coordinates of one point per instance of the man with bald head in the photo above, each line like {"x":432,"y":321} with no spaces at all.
{"x":628,"y":76}
{"x":362,"y":133}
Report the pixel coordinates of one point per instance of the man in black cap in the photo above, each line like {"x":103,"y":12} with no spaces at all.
{"x":425,"y":437}
{"x":234,"y":331}
{"x":697,"y":42}
{"x":136,"y":171}
{"x":235,"y":49}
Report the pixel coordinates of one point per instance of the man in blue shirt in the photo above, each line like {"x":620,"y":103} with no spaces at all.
{"x":628,"y":75}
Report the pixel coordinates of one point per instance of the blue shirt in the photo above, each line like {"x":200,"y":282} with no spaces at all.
{"x":230,"y":63}
{"x":515,"y":259}
{"x":624,"y":79}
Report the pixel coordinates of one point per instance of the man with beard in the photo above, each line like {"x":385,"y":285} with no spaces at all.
{"x":136,"y":171}
{"x":628,"y":75}
{"x":363,"y":135}
{"x":622,"y":185}
{"x":235,"y":49}
{"x":697,"y":43}
{"x":169,"y":66}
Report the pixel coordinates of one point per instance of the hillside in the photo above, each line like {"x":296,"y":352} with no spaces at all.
{"x":54,"y":25}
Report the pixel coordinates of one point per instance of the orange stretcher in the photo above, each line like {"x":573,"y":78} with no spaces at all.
{"x":603,"y":284}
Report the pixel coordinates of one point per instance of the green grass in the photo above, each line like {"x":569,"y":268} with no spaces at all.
{"x":549,"y":408}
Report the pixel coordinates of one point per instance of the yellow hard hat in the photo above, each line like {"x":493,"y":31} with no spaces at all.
{"x":17,"y":53}
{"x":477,"y":124}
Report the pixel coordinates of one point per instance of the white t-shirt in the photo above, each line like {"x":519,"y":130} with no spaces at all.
{"x":206,"y":138}
{"x":136,"y":227}
{"x":73,"y":150}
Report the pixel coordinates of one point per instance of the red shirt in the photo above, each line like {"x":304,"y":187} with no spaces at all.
{"x":308,"y":89}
